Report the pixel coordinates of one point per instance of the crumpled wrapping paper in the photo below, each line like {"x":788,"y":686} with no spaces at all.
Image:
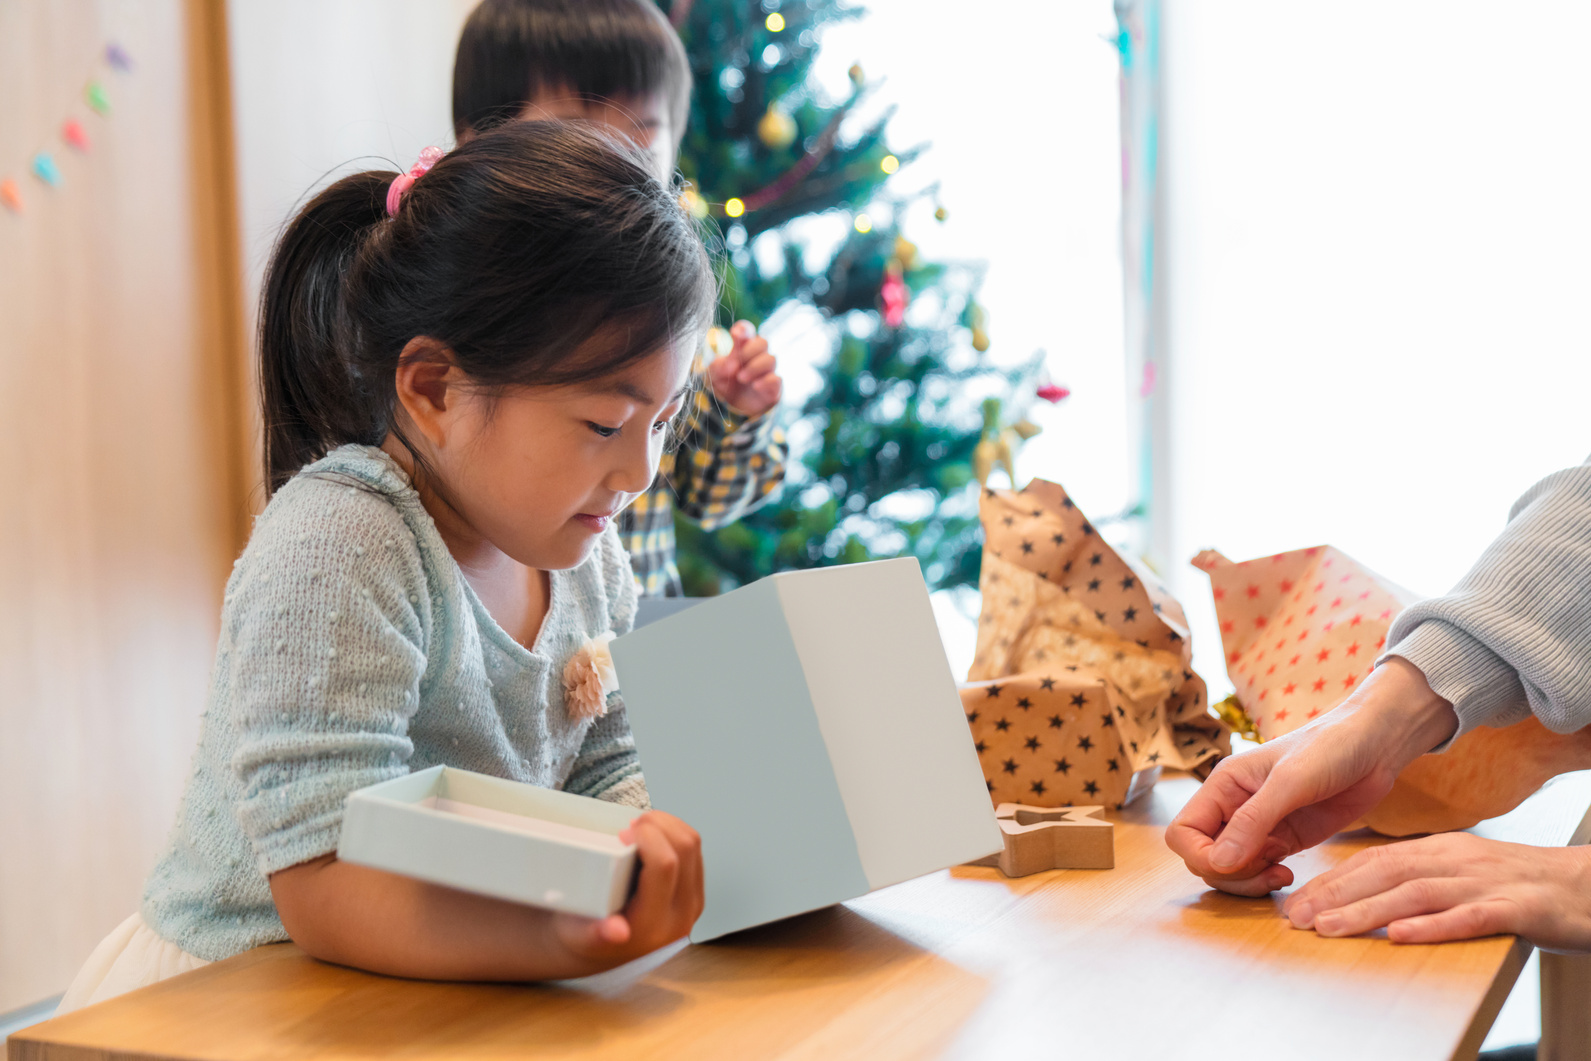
{"x":1082,"y":688}
{"x":1302,"y":629}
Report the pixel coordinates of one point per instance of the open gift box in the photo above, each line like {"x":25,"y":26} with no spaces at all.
{"x":495,"y":837}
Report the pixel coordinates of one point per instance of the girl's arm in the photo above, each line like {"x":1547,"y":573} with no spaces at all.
{"x":369,"y":919}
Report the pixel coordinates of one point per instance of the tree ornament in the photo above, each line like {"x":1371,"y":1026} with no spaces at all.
{"x":776,"y":129}
{"x":905,"y":252}
{"x":980,"y":339}
{"x":1052,"y":393}
{"x":856,"y":74}
{"x":895,"y":295}
{"x":1026,"y":429}
{"x":941,"y":215}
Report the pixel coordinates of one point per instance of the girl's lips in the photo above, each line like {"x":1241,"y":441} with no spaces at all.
{"x":595,"y":523}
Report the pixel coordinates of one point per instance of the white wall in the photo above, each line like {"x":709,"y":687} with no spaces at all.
{"x":325,"y":87}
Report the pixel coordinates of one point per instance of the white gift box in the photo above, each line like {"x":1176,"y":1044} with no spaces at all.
{"x":495,"y":837}
{"x":809,"y":728}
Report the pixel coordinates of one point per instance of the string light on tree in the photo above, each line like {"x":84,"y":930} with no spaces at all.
{"x":734,"y":207}
{"x":863,"y":224}
{"x":775,"y":22}
{"x":889,"y":164}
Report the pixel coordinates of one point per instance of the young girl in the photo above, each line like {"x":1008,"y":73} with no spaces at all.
{"x":467,"y":372}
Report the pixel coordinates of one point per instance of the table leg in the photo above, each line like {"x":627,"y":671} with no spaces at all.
{"x":1565,"y":1008}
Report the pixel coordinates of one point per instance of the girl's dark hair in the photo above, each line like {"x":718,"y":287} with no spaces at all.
{"x":541,"y":253}
{"x":512,"y":49}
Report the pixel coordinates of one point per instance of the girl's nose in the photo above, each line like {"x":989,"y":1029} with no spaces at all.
{"x":636,"y":467}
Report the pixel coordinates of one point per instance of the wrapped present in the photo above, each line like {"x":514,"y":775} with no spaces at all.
{"x":1082,"y":686}
{"x":1302,"y":629}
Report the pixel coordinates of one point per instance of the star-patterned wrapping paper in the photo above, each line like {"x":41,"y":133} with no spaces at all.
{"x":1300,"y":630}
{"x":1082,"y":686}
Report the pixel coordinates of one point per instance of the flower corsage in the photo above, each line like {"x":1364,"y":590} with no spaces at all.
{"x":589,"y":679}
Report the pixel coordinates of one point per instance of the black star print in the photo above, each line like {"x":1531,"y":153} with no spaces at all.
{"x":1058,"y":539}
{"x":1091,"y":788}
{"x":1087,"y":529}
{"x":1096,"y":559}
{"x":1143,"y":644}
{"x":1055,"y":722}
{"x":1027,"y":547}
{"x":1130,"y":615}
{"x":1047,"y":684}
{"x":1032,"y":744}
{"x":1002,"y":725}
{"x":1062,"y":766}
{"x":989,"y":785}
{"x":1079,"y":699}
{"x":1120,"y":711}
{"x":1093,"y":585}
{"x":1154,"y":757}
{"x":1008,"y":521}
{"x":1037,"y":787}
{"x":994,"y":691}
{"x":1100,"y":616}
{"x":1068,"y":503}
{"x":1129,"y":582}
{"x":1024,"y":703}
{"x":1104,"y":720}
{"x":982,"y":747}
{"x":987,"y":492}
{"x":1071,"y":667}
{"x":1010,"y":766}
{"x":1066,"y":568}
{"x":972,"y":716}
{"x":1176,"y":638}
{"x":1113,"y":764}
{"x":1084,"y":744}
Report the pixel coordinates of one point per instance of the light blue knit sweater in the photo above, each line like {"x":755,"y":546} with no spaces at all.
{"x":353,"y":651}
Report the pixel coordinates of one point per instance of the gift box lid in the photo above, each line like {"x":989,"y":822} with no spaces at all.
{"x":809,"y":728}
{"x":495,"y":837}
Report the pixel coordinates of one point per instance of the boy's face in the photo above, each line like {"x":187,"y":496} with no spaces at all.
{"x":643,"y":120}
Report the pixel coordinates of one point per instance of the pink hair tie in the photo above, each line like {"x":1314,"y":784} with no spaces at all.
{"x":401,"y":183}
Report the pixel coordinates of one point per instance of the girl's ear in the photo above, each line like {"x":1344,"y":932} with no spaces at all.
{"x":428,"y":384}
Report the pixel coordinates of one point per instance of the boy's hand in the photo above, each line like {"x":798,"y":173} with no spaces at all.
{"x":667,"y":901}
{"x":745,"y":379}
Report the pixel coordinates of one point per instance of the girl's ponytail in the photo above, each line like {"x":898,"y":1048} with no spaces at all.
{"x":311,"y":395}
{"x":540,"y":253}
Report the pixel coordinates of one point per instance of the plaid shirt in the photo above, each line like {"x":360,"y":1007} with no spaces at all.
{"x":725,"y":466}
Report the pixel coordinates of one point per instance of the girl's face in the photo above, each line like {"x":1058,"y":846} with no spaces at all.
{"x":643,"y":120}
{"x":539,"y":472}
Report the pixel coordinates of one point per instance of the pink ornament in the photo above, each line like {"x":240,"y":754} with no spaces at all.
{"x":896,"y":296}
{"x":1052,"y":393}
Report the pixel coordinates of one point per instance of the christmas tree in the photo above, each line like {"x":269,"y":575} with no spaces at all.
{"x":910,"y":412}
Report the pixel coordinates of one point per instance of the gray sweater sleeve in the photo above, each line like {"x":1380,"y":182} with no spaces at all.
{"x":1514,"y":636}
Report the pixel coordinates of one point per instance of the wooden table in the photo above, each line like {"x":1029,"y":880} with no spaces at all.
{"x":1137,"y":962}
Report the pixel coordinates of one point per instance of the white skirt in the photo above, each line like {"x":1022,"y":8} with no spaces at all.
{"x":129,"y":958}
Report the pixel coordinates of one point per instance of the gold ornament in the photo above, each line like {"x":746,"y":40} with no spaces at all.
{"x":905,"y":252}
{"x":1026,"y":429}
{"x":941,"y":214}
{"x":984,"y":455}
{"x":776,"y":128}
{"x":1005,"y":448}
{"x":980,"y":339}
{"x":857,"y":77}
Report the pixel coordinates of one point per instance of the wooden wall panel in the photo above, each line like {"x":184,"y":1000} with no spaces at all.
{"x":120,"y":496}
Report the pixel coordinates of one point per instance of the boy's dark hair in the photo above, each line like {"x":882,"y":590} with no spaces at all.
{"x":512,"y":49}
{"x":539,"y":253}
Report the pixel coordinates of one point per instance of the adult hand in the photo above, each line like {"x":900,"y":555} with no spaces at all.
{"x":746,"y":379}
{"x":1291,"y":793}
{"x":667,"y":901}
{"x":1454,"y":886}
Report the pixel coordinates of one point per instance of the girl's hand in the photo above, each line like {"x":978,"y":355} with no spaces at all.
{"x":1291,"y":793}
{"x":667,"y":901}
{"x":745,"y":378}
{"x":1454,"y":886}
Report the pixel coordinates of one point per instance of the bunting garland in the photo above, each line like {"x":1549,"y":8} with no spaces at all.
{"x":44,"y":163}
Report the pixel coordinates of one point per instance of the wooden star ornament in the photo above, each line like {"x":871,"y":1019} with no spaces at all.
{"x":1041,"y":838}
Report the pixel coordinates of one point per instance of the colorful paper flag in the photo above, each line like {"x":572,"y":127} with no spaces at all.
{"x":46,"y":170}
{"x":72,"y":132}
{"x":96,"y":97}
{"x":10,"y":195}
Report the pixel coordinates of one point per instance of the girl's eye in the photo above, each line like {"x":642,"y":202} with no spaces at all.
{"x":605,"y":432}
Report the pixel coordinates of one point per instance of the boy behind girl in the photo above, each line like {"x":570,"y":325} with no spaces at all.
{"x":620,"y":63}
